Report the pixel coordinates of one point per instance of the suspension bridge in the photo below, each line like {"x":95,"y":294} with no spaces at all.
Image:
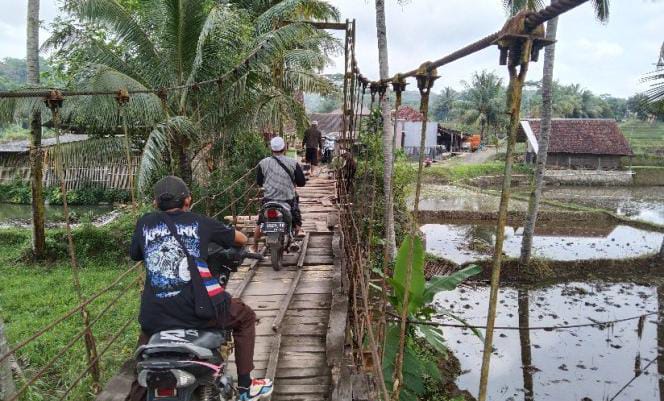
{"x":317,"y":335}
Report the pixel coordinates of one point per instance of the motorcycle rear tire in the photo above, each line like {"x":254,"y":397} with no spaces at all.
{"x":207,"y":392}
{"x":276,"y":253}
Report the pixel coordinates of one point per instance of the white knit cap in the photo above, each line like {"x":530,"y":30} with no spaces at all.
{"x":277,"y":144}
{"x":314,"y":122}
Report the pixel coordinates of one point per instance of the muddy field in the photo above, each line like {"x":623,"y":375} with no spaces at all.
{"x":588,"y":363}
{"x":463,"y":243}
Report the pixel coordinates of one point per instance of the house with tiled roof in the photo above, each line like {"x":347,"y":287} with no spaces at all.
{"x":578,"y":143}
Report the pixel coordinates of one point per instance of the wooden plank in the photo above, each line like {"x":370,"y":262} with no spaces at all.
{"x":119,"y":386}
{"x":252,"y":269}
{"x":276,"y":325}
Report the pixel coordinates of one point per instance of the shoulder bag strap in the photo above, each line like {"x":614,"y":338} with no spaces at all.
{"x":290,"y":173}
{"x":201,"y":276}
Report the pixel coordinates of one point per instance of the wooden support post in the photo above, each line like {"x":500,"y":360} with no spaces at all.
{"x":54,"y":102}
{"x":7,"y":386}
{"x":519,"y":57}
{"x":123,"y":98}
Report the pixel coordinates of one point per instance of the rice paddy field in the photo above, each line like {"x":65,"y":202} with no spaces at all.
{"x":646,"y":139}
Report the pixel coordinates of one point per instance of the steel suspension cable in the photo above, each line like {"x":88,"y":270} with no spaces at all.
{"x":69,"y":314}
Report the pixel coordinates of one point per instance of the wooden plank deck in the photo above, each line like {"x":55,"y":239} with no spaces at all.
{"x":299,"y":347}
{"x":303,"y":351}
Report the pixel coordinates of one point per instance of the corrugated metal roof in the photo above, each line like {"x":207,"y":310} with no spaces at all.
{"x":24,"y":145}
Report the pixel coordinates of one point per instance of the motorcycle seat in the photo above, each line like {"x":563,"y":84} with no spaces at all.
{"x":197,"y":342}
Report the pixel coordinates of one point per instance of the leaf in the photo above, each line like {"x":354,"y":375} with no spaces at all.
{"x":449,"y":282}
{"x":434,"y":336}
{"x":410,"y":255}
{"x":448,"y":313}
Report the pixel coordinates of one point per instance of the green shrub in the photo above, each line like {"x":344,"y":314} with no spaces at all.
{"x":20,"y":192}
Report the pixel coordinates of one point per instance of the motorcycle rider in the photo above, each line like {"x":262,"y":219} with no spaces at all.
{"x":278,"y":175}
{"x":167,"y":301}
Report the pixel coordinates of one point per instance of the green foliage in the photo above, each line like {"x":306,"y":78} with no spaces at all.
{"x":482,"y":103}
{"x":416,"y":371}
{"x":34,"y":295}
{"x":410,"y":256}
{"x":458,"y":172}
{"x":20,"y":192}
{"x":646,"y":140}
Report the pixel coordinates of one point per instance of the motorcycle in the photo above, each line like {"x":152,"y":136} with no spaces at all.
{"x":329,"y":143}
{"x":278,"y":230}
{"x":189,"y":365}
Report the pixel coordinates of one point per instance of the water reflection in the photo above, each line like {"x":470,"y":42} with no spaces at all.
{"x":641,"y":203}
{"x":590,"y":363}
{"x":469,"y":242}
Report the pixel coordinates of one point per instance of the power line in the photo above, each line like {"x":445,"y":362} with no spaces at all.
{"x":531,"y":328}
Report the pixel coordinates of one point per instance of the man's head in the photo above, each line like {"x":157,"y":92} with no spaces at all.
{"x":314,"y":124}
{"x":277,"y":144}
{"x":171,"y":193}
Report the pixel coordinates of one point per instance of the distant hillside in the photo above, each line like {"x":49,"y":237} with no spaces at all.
{"x":14,"y":73}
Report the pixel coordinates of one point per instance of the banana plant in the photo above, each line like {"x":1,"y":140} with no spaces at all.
{"x":420,"y":297}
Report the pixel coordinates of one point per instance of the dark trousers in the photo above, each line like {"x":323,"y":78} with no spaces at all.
{"x":241,"y":320}
{"x":311,"y":156}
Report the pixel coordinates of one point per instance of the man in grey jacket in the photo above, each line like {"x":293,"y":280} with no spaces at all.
{"x":279,"y":184}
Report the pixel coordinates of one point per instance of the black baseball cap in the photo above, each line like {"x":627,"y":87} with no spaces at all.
{"x":170,"y":192}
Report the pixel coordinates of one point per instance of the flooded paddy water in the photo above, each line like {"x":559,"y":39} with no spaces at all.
{"x":623,"y":361}
{"x":584,"y":364}
{"x":463,"y":243}
{"x":12,"y":215}
{"x":639,"y":203}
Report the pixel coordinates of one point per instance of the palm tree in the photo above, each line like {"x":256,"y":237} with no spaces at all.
{"x":514,"y":6}
{"x":656,"y":91}
{"x":36,"y":156}
{"x":388,"y":135}
{"x":177,"y":43}
{"x":444,"y":103}
{"x":482,"y":101}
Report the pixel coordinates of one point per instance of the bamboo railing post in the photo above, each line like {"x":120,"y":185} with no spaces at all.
{"x":123,"y":99}
{"x":517,"y":53}
{"x":54,"y":102}
{"x":425,"y":78}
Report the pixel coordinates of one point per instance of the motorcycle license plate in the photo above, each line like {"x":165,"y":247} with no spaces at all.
{"x":277,"y":227}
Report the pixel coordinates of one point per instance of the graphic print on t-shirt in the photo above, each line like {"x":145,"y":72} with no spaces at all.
{"x":165,"y":260}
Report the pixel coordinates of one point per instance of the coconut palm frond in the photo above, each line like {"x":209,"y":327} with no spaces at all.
{"x":180,"y":29}
{"x":656,"y":91}
{"x":13,"y":110}
{"x":309,"y":59}
{"x":102,"y":112}
{"x":157,"y":146}
{"x":296,"y":10}
{"x":125,"y":27}
{"x":224,"y":24}
{"x":514,"y":6}
{"x":92,"y":152}
{"x":307,"y":81}
{"x":601,"y":10}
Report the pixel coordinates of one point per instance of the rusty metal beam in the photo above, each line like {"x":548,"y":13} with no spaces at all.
{"x":532,"y":21}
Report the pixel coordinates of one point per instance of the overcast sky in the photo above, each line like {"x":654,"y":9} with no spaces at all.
{"x":606,"y":58}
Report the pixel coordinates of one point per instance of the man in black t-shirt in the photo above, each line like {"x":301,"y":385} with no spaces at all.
{"x":167,"y":301}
